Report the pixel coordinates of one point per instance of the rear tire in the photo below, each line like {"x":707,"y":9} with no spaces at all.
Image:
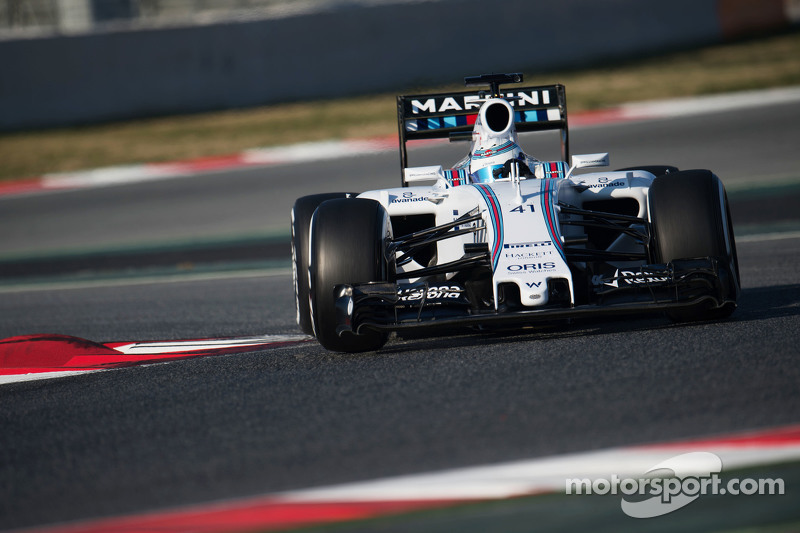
{"x":302,"y":212}
{"x":348,"y":245}
{"x":691,"y":219}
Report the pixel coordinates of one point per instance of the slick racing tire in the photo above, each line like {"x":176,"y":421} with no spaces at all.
{"x":348,"y":242}
{"x":690,"y":217}
{"x":302,"y":212}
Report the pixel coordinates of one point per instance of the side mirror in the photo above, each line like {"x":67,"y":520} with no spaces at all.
{"x":415,"y":174}
{"x":588,"y":160}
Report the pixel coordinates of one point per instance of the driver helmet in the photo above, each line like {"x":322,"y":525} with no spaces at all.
{"x":484,"y":161}
{"x":494,"y":141}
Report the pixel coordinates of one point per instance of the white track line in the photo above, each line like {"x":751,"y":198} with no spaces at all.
{"x":700,"y":105}
{"x":19,"y":378}
{"x":774,"y":236}
{"x":159,"y":348}
{"x":162,"y":347}
{"x":548,"y":474}
{"x":143,"y":280}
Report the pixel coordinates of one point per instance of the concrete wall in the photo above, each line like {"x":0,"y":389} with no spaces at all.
{"x":116,"y":75}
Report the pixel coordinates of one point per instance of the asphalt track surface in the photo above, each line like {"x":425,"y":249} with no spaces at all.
{"x":198,"y":430}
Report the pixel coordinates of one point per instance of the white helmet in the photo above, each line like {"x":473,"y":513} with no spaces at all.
{"x":494,"y":141}
{"x":485,"y":165}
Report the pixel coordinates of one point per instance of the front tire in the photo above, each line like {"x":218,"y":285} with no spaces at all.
{"x":690,"y":217}
{"x":348,"y":242}
{"x":302,"y":212}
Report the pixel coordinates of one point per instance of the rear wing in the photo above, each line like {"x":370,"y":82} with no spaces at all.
{"x":453,"y":115}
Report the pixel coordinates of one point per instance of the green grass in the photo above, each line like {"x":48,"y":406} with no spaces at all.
{"x":767,"y":62}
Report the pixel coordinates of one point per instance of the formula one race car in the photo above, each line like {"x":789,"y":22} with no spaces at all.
{"x":501,"y":239}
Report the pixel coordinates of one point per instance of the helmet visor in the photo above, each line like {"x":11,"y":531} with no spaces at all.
{"x":485,"y":174}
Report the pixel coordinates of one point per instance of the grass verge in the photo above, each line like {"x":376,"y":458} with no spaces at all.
{"x":761,"y":63}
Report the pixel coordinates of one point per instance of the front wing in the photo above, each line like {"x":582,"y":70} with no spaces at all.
{"x":680,"y":284}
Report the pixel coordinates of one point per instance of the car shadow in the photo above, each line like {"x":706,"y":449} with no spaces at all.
{"x":755,"y":304}
{"x":768,"y":302}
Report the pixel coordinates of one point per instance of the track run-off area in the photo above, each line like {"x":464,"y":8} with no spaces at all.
{"x":212,"y":413}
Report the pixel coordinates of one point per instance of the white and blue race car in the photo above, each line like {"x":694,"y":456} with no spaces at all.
{"x":503,"y":240}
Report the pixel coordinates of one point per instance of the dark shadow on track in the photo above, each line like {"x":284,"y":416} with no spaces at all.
{"x":768,"y":302}
{"x":754,"y":304}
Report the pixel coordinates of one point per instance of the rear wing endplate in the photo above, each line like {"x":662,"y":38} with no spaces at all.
{"x":453,"y":115}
